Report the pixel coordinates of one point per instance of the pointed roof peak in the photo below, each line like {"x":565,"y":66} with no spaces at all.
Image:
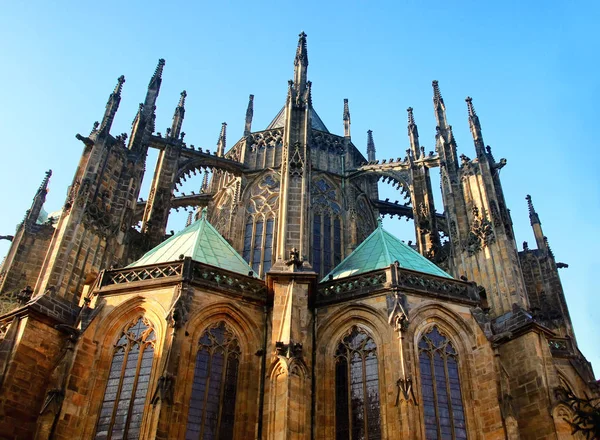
{"x":158,"y":71}
{"x":44,"y":184}
{"x":411,"y":118}
{"x":346,"y":110}
{"x":470,"y":107}
{"x":437,"y":95}
{"x":119,"y":86}
{"x":380,"y":250}
{"x":182,"y":99}
{"x":533,"y":215}
{"x":201,"y":242}
{"x":301,"y":51}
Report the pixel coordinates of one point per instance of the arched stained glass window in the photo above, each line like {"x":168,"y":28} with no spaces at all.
{"x":125,"y":395}
{"x":327,"y":227}
{"x":212,"y":404}
{"x":440,"y":385}
{"x":357,"y":412}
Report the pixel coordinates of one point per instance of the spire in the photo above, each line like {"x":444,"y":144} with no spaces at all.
{"x":38,"y":201}
{"x":178,"y":116}
{"x":370,"y":146}
{"x":204,"y":187}
{"x":438,"y":106}
{"x":112,"y":106}
{"x":143,"y":125}
{"x":189,"y":219}
{"x":346,"y":119}
{"x":301,"y":63}
{"x":536,"y":225}
{"x":156,"y":79}
{"x":222,"y":142}
{"x":413,"y":134}
{"x":249,"y":115}
{"x":475,"y":127}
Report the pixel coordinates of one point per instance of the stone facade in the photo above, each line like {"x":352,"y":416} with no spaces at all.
{"x":294,"y":200}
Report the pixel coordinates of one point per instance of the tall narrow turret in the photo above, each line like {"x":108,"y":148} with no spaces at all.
{"x":249,"y":115}
{"x":346,"y":119}
{"x":370,"y":146}
{"x":413,"y":134}
{"x":536,"y":224}
{"x":111,"y":107}
{"x":178,"y":116}
{"x":222,"y":142}
{"x":301,"y":64}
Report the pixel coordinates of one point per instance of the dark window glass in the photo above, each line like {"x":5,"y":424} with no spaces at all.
{"x":257,"y":248}
{"x":212,"y":404}
{"x":317,"y":243}
{"x":357,"y":409}
{"x":444,"y":414}
{"x":268,"y":246}
{"x":337,"y":242}
{"x":128,"y":379}
{"x":247,"y":240}
{"x":326,"y":244}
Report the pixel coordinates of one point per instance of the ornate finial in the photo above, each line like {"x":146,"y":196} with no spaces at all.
{"x":204,"y":187}
{"x":44,"y":185}
{"x":309,"y":93}
{"x":301,"y":51}
{"x":533,"y":216}
{"x":380,"y":223}
{"x":95,"y":127}
{"x":159,"y":70}
{"x":437,"y":96}
{"x":411,"y":118}
{"x":470,"y":107}
{"x":249,"y":115}
{"x":370,"y":146}
{"x":189,"y":219}
{"x":119,"y":86}
{"x":222,"y":142}
{"x":182,"y":99}
{"x":346,"y":110}
{"x":204,"y":213}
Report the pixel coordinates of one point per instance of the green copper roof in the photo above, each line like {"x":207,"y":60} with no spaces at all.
{"x":379,"y":250}
{"x":202,"y":243}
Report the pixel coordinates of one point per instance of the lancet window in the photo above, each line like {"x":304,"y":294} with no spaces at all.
{"x":444,"y":414}
{"x":259,"y":229}
{"x":327,"y":227}
{"x":357,"y":409}
{"x":128,"y":379}
{"x":212,"y":403}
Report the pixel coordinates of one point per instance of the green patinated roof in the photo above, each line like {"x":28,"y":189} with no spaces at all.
{"x":202,"y":243}
{"x":379,"y":250}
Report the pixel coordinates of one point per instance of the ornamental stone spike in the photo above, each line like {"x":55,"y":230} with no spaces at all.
{"x":178,"y":116}
{"x":249,"y":116}
{"x":346,"y":118}
{"x":112,"y":106}
{"x":301,"y":64}
{"x":413,"y":134}
{"x":222,"y":142}
{"x":370,"y":146}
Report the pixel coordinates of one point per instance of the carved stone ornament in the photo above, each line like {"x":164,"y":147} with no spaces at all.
{"x":296,"y":164}
{"x":179,"y":313}
{"x":290,"y":350}
{"x":481,"y":233}
{"x":397,"y":313}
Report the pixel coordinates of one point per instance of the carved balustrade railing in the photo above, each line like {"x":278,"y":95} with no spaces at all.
{"x":395,"y":277}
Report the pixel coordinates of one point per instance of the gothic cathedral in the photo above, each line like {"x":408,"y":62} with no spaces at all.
{"x":284,"y":309}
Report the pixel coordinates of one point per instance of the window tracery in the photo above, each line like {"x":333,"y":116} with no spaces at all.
{"x":444,"y":413}
{"x":260,"y":224}
{"x":327,"y":227}
{"x":357,"y":408}
{"x":128,"y":379}
{"x":212,"y":403}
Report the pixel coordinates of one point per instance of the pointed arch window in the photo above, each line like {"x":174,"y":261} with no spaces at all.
{"x":357,"y":409}
{"x":327,"y":227}
{"x":258,"y":244}
{"x":128,"y":379}
{"x":444,"y":413}
{"x":212,"y":404}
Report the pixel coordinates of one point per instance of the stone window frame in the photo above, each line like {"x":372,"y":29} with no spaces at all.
{"x":349,"y":407}
{"x":144,"y":340}
{"x":250,"y":340}
{"x":458,"y":333}
{"x":232,"y":348}
{"x":333,"y":216}
{"x":249,"y":253}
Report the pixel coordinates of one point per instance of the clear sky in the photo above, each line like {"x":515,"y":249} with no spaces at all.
{"x":531,"y":68}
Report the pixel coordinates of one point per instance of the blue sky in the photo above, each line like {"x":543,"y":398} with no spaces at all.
{"x":531,"y":70}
